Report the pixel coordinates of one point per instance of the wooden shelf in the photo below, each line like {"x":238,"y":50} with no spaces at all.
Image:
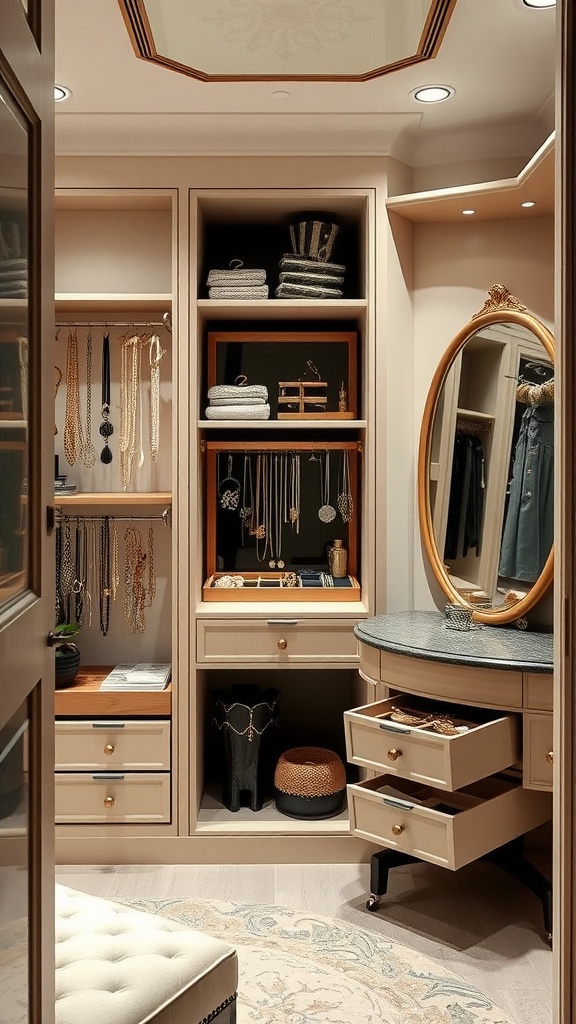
{"x":492,"y":200}
{"x":285,"y":309}
{"x":85,"y":698}
{"x":112,"y":302}
{"x":118,"y":500}
{"x":283,"y":425}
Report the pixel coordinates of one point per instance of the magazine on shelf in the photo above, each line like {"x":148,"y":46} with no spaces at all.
{"x":144,"y":676}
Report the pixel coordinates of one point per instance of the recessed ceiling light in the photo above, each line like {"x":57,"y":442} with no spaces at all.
{"x":280,"y":94}
{"x":468,"y":213}
{"x":61,"y":92}
{"x":527,"y":204}
{"x":432,"y":93}
{"x":539,"y":3}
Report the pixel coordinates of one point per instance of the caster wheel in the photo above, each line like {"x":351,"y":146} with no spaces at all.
{"x":373,"y":903}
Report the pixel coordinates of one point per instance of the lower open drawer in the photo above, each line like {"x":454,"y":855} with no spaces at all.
{"x":449,"y":829}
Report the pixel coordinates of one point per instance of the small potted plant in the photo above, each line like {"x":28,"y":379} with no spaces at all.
{"x":67,"y":654}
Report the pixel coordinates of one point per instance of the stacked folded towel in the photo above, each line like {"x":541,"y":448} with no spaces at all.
{"x":238,"y":402}
{"x":237,"y":283}
{"x":13,"y":262}
{"x":307,"y":278}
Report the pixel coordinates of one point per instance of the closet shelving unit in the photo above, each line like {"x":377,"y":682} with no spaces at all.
{"x":304,"y":648}
{"x":115,"y":260}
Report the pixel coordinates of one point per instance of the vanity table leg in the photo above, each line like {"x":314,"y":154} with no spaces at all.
{"x":512,"y":859}
{"x":380,"y":864}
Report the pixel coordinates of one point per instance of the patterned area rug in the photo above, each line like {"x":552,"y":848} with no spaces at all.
{"x":298,"y":968}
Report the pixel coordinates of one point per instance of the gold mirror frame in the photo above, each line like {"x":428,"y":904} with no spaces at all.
{"x":500,"y":307}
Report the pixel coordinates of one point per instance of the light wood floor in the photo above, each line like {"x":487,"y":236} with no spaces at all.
{"x":479,"y":923}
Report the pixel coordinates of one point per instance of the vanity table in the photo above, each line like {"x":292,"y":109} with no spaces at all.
{"x":458,"y":745}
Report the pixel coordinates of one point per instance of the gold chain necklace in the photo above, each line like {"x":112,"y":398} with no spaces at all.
{"x":73,"y":440}
{"x":89,"y":454}
{"x":129,"y":385}
{"x":156,"y":353}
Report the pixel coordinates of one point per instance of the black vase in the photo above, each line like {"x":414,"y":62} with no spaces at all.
{"x":247,"y":718}
{"x":67,"y":664}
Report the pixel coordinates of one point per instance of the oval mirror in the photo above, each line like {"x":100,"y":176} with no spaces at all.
{"x":485,"y":463}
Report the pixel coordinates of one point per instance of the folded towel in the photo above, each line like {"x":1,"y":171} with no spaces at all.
{"x":238,"y":412}
{"x":290,"y":262}
{"x":242,"y":276}
{"x":305,"y":277}
{"x":239,"y":400}
{"x":238,"y":391}
{"x":238,"y":292}
{"x":305,"y":291}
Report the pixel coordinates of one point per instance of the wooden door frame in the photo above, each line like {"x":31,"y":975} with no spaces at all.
{"x":564,"y":1011}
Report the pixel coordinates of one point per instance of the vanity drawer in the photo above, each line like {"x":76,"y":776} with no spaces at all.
{"x":447,"y":830}
{"x":538,"y":754}
{"x":104,"y":744}
{"x":283,"y":640}
{"x":463,"y":683}
{"x":491,"y":743}
{"x":112,"y":797}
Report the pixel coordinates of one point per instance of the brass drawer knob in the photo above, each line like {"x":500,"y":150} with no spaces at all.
{"x":397,"y":829}
{"x":109,"y":748}
{"x":109,"y":802}
{"x":282,"y":645}
{"x":550,"y":757}
{"x":394,"y":754}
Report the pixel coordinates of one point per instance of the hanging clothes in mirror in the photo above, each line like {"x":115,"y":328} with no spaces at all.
{"x":529,"y":525}
{"x":466,"y":505}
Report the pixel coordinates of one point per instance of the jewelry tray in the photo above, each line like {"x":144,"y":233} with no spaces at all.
{"x":269,"y":589}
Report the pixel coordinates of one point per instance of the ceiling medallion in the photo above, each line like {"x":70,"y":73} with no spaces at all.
{"x":286,"y":40}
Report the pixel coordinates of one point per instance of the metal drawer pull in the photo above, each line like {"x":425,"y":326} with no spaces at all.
{"x":392,"y":727}
{"x":550,"y":757}
{"x":282,"y":622}
{"x":109,"y":801}
{"x":108,"y":725}
{"x":398,"y":829}
{"x":109,"y":748}
{"x":108,"y":777}
{"x":394,"y":754}
{"x":282,"y":645}
{"x":393,"y":801}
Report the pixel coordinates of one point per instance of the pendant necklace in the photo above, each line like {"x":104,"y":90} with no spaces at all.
{"x":344,"y":501}
{"x":326,"y":512}
{"x":156,"y":353}
{"x":228,"y":488}
{"x":247,"y":510}
{"x":278,"y":510}
{"x":295,"y":492}
{"x":106,"y":429}
{"x":89,"y":454}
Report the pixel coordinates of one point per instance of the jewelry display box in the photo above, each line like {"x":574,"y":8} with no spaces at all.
{"x":273,"y":510}
{"x":309,"y":375}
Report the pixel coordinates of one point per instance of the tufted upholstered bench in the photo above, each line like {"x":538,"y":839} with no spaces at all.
{"x":115,"y":965}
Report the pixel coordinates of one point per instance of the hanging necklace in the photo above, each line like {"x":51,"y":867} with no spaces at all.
{"x":89,"y":454}
{"x":104,"y":580}
{"x":151,"y":566}
{"x":73,"y":440}
{"x":67,"y":572}
{"x":260,"y":530}
{"x":134,"y":590}
{"x":247,"y":510}
{"x":80,"y":572}
{"x":278,"y":509}
{"x":57,"y":383}
{"x":295,"y":492}
{"x":129,"y":385}
{"x":344,"y":501}
{"x":269,"y":514}
{"x":228,"y":488}
{"x":156,"y":353}
{"x":106,"y":429}
{"x":326,"y":512}
{"x":115,"y":576}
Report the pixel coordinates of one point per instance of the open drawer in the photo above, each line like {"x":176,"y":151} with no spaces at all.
{"x":446,"y":829}
{"x":487,"y":742}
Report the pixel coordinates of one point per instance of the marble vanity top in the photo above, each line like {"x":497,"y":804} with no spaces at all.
{"x":424,"y":635}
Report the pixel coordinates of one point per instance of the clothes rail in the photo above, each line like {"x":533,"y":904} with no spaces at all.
{"x":113,"y":323}
{"x":165,"y":517}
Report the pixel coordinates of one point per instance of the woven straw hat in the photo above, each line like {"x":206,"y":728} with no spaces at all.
{"x":310,"y":772}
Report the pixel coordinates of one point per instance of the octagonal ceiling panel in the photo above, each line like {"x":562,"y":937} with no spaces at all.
{"x":286,"y":40}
